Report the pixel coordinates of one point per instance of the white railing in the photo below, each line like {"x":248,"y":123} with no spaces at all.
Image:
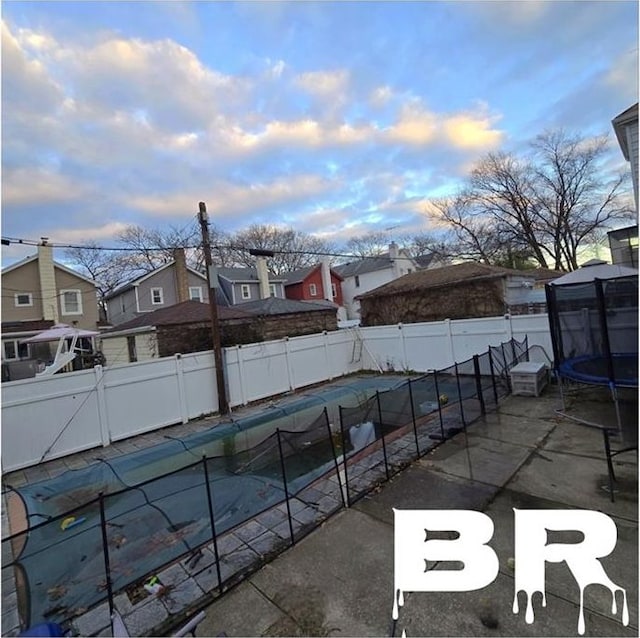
{"x":46,"y":418}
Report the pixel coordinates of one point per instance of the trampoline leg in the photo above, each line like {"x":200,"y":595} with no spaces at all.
{"x":614,"y":396}
{"x":612,"y":476}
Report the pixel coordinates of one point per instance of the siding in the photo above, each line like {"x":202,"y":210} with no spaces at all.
{"x":632,"y":143}
{"x":116,"y":349}
{"x":24,"y":279}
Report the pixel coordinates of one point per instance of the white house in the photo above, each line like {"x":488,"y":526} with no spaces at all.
{"x":371,"y":272}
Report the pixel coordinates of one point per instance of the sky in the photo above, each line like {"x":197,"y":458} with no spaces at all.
{"x":334,"y":118}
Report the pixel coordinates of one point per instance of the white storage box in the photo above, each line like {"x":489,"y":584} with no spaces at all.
{"x":528,"y":378}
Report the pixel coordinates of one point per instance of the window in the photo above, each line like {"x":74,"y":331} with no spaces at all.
{"x":313,"y":291}
{"x":13,"y":349}
{"x":131,"y":346}
{"x":24,"y":299}
{"x":272,"y":290}
{"x":195,"y":293}
{"x":246,"y":291}
{"x":157,"y":298}
{"x":334,"y":291}
{"x":357,"y":281}
{"x":71,"y":302}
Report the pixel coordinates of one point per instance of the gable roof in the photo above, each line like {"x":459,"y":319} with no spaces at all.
{"x":28,"y":260}
{"x":298,"y":276}
{"x":620,"y":122}
{"x":362,"y":266}
{"x":278,"y":306}
{"x":245,"y":275}
{"x":443,"y":276}
{"x":138,"y":280}
{"x":180,"y":313}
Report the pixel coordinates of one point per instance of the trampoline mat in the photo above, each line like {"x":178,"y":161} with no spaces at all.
{"x":594,"y":369}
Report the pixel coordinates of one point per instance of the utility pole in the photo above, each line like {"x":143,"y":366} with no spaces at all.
{"x":212,"y":280}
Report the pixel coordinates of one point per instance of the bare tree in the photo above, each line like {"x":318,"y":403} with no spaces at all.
{"x":293,"y":249}
{"x":368,"y":245}
{"x":541,"y":207}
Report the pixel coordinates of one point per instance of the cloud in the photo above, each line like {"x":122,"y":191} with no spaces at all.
{"x":468,"y":131}
{"x":415,"y":126}
{"x":26,"y":186}
{"x":82,"y":235}
{"x":326,"y":83}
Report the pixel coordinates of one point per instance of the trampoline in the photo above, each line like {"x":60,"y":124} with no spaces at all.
{"x":593,"y":370}
{"x":593,"y":320}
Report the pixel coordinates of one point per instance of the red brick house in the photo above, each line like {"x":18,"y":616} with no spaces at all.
{"x":306,"y":284}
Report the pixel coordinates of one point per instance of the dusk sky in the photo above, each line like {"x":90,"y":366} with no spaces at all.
{"x":336,"y":118}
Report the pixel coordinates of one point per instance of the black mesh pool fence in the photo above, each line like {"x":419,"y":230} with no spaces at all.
{"x":243,"y":500}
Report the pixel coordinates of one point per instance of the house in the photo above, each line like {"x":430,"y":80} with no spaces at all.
{"x":625,"y":126}
{"x":166,"y":286}
{"x":314,"y":283}
{"x":37,"y":293}
{"x":623,"y":243}
{"x":460,"y":291}
{"x":363,"y":275}
{"x":183,"y":327}
{"x":241,"y":285}
{"x":186,"y":327}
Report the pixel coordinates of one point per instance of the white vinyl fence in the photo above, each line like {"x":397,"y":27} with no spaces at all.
{"x":50,"y":417}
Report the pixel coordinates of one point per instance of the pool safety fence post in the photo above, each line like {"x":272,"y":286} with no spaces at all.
{"x":344,"y":456}
{"x":384,"y":446}
{"x":526,"y":347}
{"x":286,"y":491}
{"x":476,"y":371}
{"x":506,"y":368}
{"x":464,"y":423}
{"x":105,"y":550}
{"x":513,"y":351}
{"x":212,"y":520}
{"x":439,"y":403}
{"x":333,"y":451}
{"x":493,"y":377}
{"x":413,"y":417}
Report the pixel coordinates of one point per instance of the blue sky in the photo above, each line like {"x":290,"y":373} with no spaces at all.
{"x":336,"y":118}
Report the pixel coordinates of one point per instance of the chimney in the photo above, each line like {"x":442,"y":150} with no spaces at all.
{"x":326,"y":279}
{"x":182,"y":275}
{"x":263,"y":277}
{"x":48,"y":290}
{"x":395,"y":262}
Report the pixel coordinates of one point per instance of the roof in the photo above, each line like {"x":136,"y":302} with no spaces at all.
{"x":26,"y":326}
{"x":245,"y":275}
{"x":362,"y":266}
{"x":138,"y":280}
{"x":443,"y":276}
{"x":620,"y":122}
{"x":278,"y":306}
{"x":180,"y":313}
{"x":28,"y":260}
{"x":424,"y":261}
{"x":298,"y":276}
{"x":544,"y":274}
{"x":594,"y":269}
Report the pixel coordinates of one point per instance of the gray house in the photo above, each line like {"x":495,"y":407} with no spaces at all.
{"x":242,"y":285}
{"x":166,"y":286}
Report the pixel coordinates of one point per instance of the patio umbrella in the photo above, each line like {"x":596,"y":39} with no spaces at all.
{"x":60,"y":331}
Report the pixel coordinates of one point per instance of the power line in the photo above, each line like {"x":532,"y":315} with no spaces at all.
{"x":235,"y":247}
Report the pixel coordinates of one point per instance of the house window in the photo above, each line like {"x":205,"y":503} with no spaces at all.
{"x":13,"y":349}
{"x":24,"y":299}
{"x":334,"y":291}
{"x":131,"y":347}
{"x":272,"y":290}
{"x":71,"y":302}
{"x":246,"y":291}
{"x":313,"y":291}
{"x":195,"y":293}
{"x":357,"y":281}
{"x":157,"y":298}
